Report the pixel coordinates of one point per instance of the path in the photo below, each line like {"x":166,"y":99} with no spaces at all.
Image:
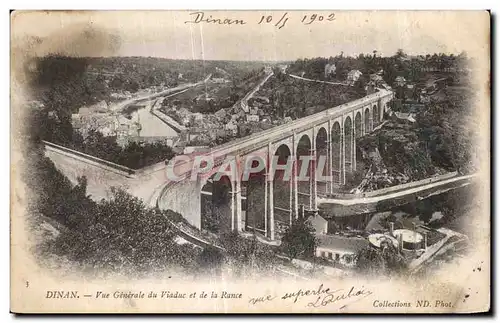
{"x":374,"y":199}
{"x":316,"y":81}
{"x":244,"y":102}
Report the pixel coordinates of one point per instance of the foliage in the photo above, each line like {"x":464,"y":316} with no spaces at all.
{"x":399,"y":64}
{"x":211,"y":217}
{"x":52,"y":194}
{"x":211,"y":258}
{"x":299,"y":240}
{"x":119,"y":234}
{"x":289,"y":97}
{"x":247,"y":254}
{"x":64,"y":84}
{"x":71,"y":82}
{"x":125,"y":236}
{"x":447,"y":129}
{"x":383,"y":260}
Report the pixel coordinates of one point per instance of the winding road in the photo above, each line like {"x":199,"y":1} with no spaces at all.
{"x":315,"y":81}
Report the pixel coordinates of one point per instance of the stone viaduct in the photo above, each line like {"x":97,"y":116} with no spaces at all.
{"x":266,"y":203}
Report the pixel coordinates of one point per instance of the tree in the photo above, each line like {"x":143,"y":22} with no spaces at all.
{"x":400,"y":54}
{"x":211,"y":259}
{"x":384,"y":260}
{"x":125,"y":236}
{"x":244,"y":253}
{"x":299,"y":240}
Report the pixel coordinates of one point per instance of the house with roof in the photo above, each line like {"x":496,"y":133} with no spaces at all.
{"x":370,"y":88}
{"x":99,"y":107}
{"x":283,"y":68}
{"x":319,"y":224}
{"x":399,"y":81}
{"x":339,"y":249}
{"x":330,"y":69}
{"x":408,"y":117}
{"x":252,"y":118}
{"x":353,"y":76}
{"x":376,"y":78}
{"x":232,"y":127}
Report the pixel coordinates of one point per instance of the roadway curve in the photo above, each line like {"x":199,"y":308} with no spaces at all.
{"x":357,"y":199}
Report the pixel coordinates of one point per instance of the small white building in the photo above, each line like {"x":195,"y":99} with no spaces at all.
{"x":339,"y":249}
{"x":230,"y":126}
{"x":410,"y":117}
{"x":252,"y":118}
{"x":319,"y":224}
{"x":219,"y":80}
{"x":197,"y":116}
{"x":330,"y":69}
{"x":99,"y":107}
{"x":353,"y":76}
{"x":399,"y":81}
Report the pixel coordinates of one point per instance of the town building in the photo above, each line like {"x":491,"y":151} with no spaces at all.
{"x":330,"y":70}
{"x":399,"y":81}
{"x":231,"y":126}
{"x":319,"y":224}
{"x":218,"y":80}
{"x":370,"y":88}
{"x":408,"y":117}
{"x":283,"y":67}
{"x":376,"y":79}
{"x":99,"y":107}
{"x":339,"y":249}
{"x":353,"y":76}
{"x":252,"y":118}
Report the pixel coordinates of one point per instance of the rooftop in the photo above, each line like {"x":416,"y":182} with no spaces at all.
{"x":341,"y":243}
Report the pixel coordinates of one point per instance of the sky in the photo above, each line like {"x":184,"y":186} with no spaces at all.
{"x":166,"y":33}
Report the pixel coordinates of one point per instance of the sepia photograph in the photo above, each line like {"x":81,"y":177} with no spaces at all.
{"x":259,"y":161}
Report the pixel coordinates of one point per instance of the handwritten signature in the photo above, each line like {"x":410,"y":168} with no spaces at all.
{"x":323,"y":296}
{"x":339,"y":295}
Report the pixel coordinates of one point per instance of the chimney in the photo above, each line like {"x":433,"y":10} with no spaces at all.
{"x":391,"y":228}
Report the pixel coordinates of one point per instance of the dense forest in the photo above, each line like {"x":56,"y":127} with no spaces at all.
{"x":442,"y":138}
{"x":122,"y":235}
{"x":73,"y":82}
{"x":289,"y":97}
{"x":400,"y":64}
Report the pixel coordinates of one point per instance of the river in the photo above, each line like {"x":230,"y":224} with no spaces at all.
{"x":151,"y":125}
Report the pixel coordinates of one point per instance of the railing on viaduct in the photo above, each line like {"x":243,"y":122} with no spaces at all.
{"x":352,"y":120}
{"x":340,"y":126}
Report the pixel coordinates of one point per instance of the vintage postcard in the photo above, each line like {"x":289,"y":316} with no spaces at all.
{"x":250,"y":161}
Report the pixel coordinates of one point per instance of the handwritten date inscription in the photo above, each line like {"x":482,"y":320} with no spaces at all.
{"x":279,"y":21}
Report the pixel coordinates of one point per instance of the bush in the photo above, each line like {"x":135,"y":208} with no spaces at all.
{"x":299,"y":240}
{"x":125,"y":236}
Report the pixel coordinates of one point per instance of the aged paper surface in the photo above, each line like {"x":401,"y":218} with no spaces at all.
{"x":250,"y":162}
